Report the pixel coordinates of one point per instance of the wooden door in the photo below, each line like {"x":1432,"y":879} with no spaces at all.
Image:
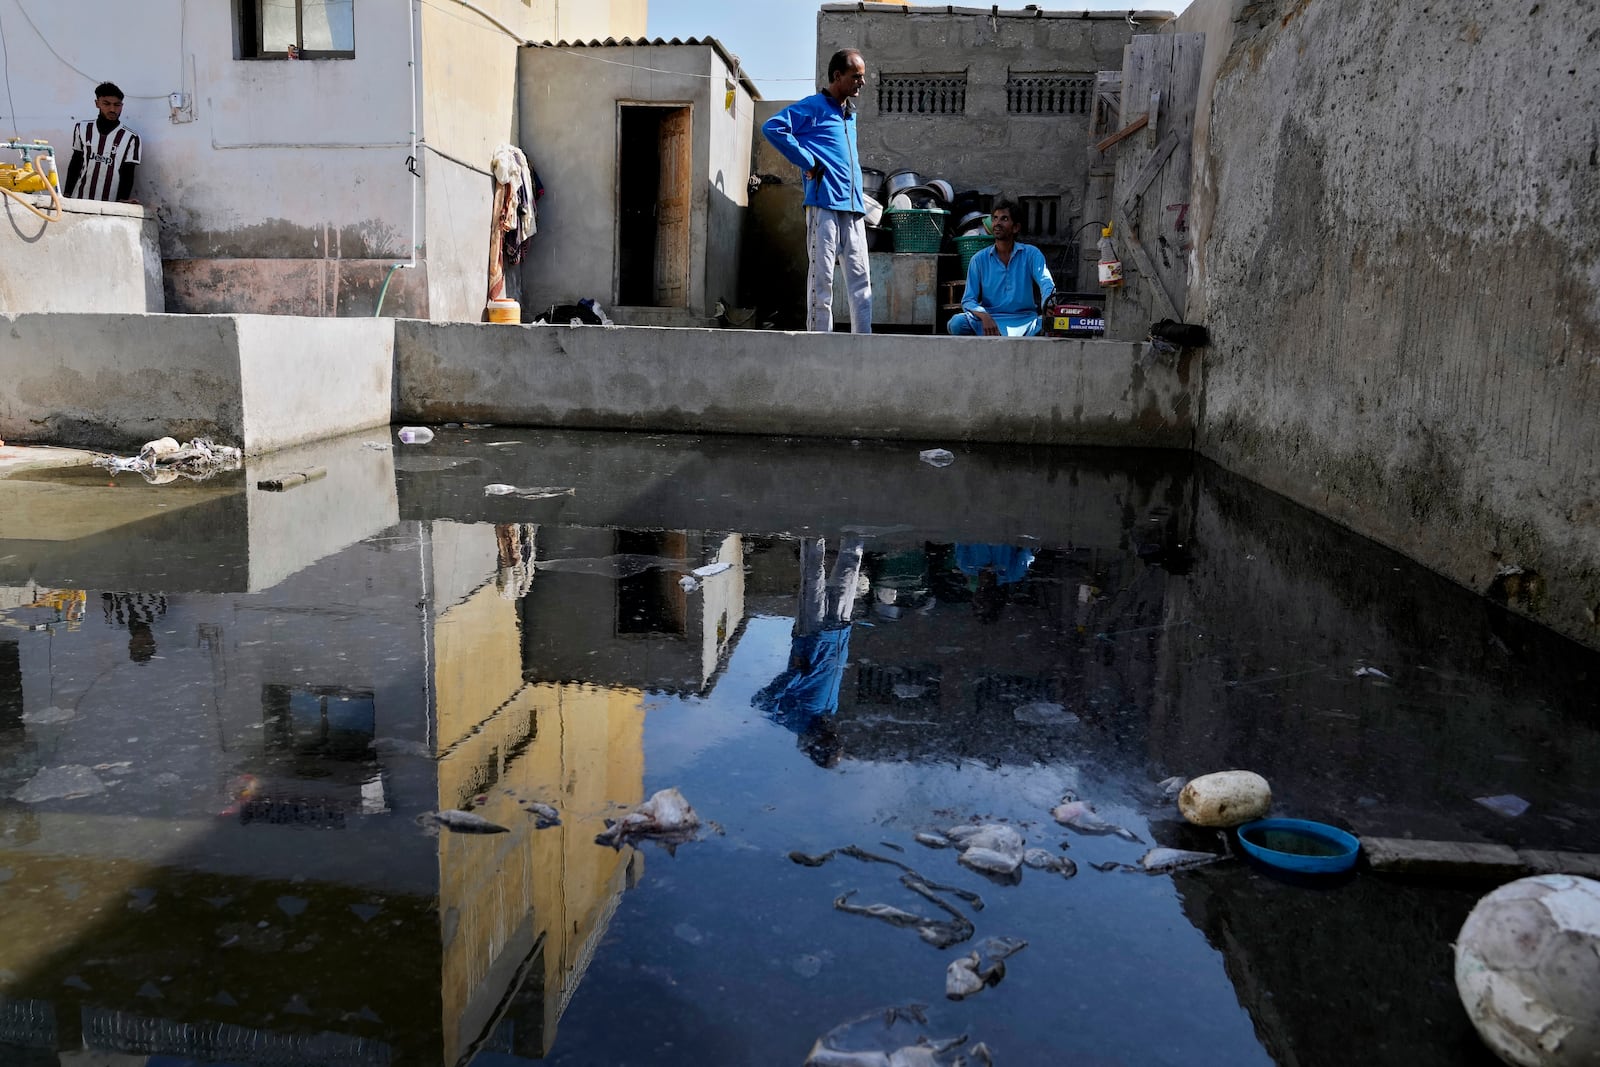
{"x":673,"y":206}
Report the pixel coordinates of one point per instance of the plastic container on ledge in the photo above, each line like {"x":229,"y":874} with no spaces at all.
{"x":504,"y":311}
{"x":415,"y":435}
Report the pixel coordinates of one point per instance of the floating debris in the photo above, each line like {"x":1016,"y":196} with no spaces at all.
{"x":894,"y":1037}
{"x":536,"y":492}
{"x":544,"y":816}
{"x":1079,"y":815}
{"x":666,"y":818}
{"x":164,"y":460}
{"x":984,"y":967}
{"x":1371,"y":672}
{"x":711,"y":568}
{"x":993,"y":848}
{"x":932,"y":840}
{"x":1507,"y":804}
{"x":936,"y":457}
{"x":1171,"y":787}
{"x":1044,"y":860}
{"x":1164,"y":861}
{"x":1044,"y":713}
{"x":465,"y":822}
{"x":67,"y":782}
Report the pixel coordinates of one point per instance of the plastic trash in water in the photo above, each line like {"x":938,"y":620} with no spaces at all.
{"x":1507,"y":804}
{"x":712,"y":568}
{"x":689,"y":583}
{"x":936,"y":457}
{"x":499,"y":489}
{"x":1371,"y":672}
{"x":415,"y":435}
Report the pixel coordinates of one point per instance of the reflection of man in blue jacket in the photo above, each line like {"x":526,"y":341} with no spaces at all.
{"x":805,"y":696}
{"x":818,"y":135}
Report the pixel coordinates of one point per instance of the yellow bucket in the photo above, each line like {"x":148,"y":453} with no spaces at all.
{"x":505,"y":311}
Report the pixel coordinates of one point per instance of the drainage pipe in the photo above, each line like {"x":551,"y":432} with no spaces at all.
{"x":412,"y":162}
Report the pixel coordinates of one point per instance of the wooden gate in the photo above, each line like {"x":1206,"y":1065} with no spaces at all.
{"x":1149,"y":201}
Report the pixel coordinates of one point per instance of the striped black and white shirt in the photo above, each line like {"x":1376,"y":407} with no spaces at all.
{"x":103,"y":156}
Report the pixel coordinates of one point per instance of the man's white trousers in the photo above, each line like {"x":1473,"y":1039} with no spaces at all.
{"x":837,"y":236}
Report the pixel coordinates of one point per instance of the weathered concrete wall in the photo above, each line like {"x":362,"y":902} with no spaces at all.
{"x":114,"y":381}
{"x":738,"y":381}
{"x":1405,"y":297}
{"x":99,"y":257}
{"x":573,"y":140}
{"x":985,"y":146}
{"x":775,"y":233}
{"x":283,"y":188}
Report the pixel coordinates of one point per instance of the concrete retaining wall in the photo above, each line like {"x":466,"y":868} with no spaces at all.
{"x":262,"y":382}
{"x":1405,"y":297}
{"x":98,"y":257}
{"x":759,"y":382}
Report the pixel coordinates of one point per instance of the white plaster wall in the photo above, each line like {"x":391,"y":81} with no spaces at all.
{"x":98,"y":257}
{"x":261,"y":382}
{"x":727,"y":190}
{"x":303,"y":379}
{"x":569,"y":125}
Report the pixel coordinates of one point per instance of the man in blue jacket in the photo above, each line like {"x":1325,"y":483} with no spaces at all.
{"x":818,"y":135}
{"x":1007,"y":283}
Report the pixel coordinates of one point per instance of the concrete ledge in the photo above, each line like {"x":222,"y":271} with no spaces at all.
{"x":113,"y":381}
{"x":1040,"y":391}
{"x":97,"y":257}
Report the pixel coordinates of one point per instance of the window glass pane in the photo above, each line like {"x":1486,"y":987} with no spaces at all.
{"x":277,"y":25}
{"x":330,"y":25}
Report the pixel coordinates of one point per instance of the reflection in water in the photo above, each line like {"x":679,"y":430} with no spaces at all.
{"x":225,"y":855}
{"x":805,"y":696}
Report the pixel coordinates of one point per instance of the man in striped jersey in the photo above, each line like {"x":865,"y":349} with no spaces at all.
{"x":104,"y":152}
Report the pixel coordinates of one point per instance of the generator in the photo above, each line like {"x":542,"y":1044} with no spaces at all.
{"x":1071,"y":315}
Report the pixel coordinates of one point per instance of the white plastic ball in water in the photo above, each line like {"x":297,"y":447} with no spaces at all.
{"x":1528,"y":971}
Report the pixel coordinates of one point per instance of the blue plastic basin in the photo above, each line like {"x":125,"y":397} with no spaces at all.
{"x":1300,"y":845}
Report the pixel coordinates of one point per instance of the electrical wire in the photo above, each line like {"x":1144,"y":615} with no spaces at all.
{"x":11,"y":107}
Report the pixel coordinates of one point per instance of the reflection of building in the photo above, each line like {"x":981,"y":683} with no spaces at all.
{"x":609,"y":607}
{"x":254,"y":876}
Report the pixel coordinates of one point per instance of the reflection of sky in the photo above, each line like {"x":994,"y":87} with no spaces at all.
{"x":1111,"y":957}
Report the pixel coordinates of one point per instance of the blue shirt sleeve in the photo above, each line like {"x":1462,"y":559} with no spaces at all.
{"x":1041,"y":276}
{"x":779,"y":130}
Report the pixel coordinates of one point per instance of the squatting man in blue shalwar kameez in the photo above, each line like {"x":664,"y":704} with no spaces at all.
{"x":818,"y":135}
{"x":1007,"y":284}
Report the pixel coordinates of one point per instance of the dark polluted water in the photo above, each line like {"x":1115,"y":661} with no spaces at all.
{"x":227,"y":716}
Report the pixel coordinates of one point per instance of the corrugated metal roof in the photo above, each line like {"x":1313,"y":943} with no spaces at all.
{"x":662,"y":42}
{"x":1030,"y":12}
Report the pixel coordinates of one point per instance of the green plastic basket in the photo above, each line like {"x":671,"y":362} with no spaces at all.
{"x":917,"y":229}
{"x":970,"y":244}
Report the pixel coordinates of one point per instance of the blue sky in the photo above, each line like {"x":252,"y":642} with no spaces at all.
{"x":776,"y":40}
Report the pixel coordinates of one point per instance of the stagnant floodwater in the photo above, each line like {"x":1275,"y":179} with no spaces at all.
{"x":223,"y":724}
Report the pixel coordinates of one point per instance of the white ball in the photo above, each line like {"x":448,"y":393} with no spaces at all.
{"x":1528,"y":970}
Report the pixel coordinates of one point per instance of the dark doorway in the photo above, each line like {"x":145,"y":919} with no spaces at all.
{"x":655,"y":162}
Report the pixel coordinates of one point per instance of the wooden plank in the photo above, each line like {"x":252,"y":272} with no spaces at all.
{"x":1147,"y":173}
{"x":1147,"y":270}
{"x":1123,"y":134}
{"x":1452,"y":859}
{"x":289,"y":481}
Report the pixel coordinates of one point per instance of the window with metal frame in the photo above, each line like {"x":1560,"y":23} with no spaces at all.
{"x":296,"y":29}
{"x":1049,"y":93}
{"x":922,"y":94}
{"x":1040,"y":215}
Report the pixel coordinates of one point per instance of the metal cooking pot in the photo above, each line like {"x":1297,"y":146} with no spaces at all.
{"x":971,"y":222}
{"x":945,"y":190}
{"x":902,"y":180}
{"x":872,"y":183}
{"x":927,"y":196}
{"x":874,"y":214}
